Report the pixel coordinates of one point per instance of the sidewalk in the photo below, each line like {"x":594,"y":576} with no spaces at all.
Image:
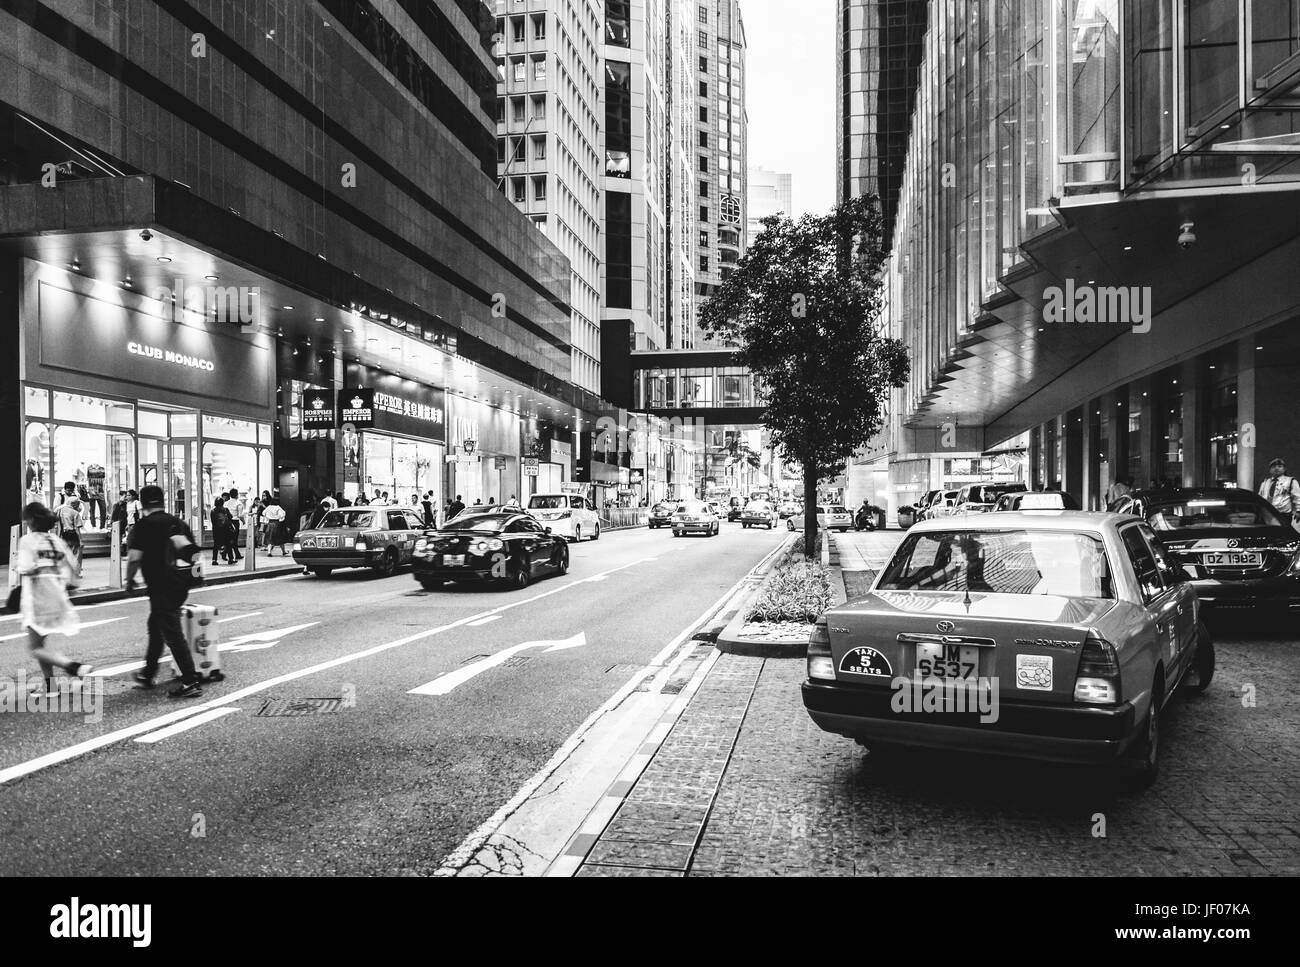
{"x":862,"y":554}
{"x":95,"y":575}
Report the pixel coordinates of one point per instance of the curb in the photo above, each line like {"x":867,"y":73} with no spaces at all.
{"x":732,"y":642}
{"x":119,"y":594}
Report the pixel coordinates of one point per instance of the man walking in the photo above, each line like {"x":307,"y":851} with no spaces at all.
{"x":164,"y":550}
{"x":455,"y":507}
{"x":1281,"y":491}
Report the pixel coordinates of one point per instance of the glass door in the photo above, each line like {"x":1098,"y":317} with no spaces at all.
{"x":178,"y":477}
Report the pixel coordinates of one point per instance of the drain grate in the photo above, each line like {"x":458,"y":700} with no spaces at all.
{"x":300,"y":706}
{"x":516,"y":661}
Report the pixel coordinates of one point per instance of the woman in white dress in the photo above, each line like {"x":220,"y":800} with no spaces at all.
{"x":46,"y":569}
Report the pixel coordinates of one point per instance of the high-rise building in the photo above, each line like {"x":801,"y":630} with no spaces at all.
{"x":721,"y":136}
{"x":769,"y":193}
{"x":681,"y":175}
{"x":549,"y":159}
{"x":878,"y":52}
{"x":635,"y":185}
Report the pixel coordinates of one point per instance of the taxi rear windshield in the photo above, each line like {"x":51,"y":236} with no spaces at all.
{"x":1002,"y":562}
{"x":337,"y":519}
{"x":1221,"y":512}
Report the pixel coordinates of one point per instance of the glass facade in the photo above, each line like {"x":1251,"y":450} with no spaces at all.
{"x":706,"y":386}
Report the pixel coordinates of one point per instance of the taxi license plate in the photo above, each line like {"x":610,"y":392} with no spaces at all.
{"x":453,"y":560}
{"x":327,"y":542}
{"x":938,"y":660}
{"x":1234,"y":559}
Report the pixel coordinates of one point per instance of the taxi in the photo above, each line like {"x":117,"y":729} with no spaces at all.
{"x":381,"y":538}
{"x":1054,"y":636}
{"x":695,"y":517}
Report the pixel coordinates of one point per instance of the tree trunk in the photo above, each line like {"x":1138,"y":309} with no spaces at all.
{"x":809,"y":510}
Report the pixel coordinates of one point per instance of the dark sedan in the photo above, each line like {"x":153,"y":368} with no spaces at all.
{"x":1239,"y":553}
{"x":661,"y":514}
{"x":508,"y":547}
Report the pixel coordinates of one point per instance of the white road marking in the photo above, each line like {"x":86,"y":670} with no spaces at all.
{"x":90,"y":745}
{"x":84,"y":625}
{"x":444,"y":684}
{"x":483,"y":621}
{"x":236,"y":617}
{"x":184,"y":726}
{"x":236,"y":644}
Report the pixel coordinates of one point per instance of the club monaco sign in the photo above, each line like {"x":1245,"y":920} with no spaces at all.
{"x":170,"y":356}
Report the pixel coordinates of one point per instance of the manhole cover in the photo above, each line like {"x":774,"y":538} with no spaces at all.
{"x":300,"y":706}
{"x":516,"y":661}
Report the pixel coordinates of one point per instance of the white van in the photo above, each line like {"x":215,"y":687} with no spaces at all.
{"x":571,"y":516}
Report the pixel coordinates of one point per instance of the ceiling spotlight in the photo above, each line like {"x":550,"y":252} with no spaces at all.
{"x":322,"y":319}
{"x":212,"y":278}
{"x":295,"y":350}
{"x":286,"y":307}
{"x":164,"y":259}
{"x":345,"y":328}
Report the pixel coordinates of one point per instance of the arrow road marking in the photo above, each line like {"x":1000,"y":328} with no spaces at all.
{"x":449,"y":681}
{"x":264,"y":639}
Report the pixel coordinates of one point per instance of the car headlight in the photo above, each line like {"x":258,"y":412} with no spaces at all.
{"x":297,"y":547}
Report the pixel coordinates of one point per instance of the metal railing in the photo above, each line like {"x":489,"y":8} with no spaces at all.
{"x":613,"y":517}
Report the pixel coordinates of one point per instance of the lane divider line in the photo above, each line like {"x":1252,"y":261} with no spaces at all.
{"x":192,"y":722}
{"x":84,"y":625}
{"x":90,"y":745}
{"x":458,"y":858}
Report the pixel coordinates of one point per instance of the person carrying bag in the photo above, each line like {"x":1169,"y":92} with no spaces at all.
{"x":45,"y":574}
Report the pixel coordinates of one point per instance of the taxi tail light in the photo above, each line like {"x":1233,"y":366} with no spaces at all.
{"x":421,"y":547}
{"x":821,"y":665}
{"x":487,"y":544}
{"x":1097,"y":680}
{"x":360,"y":544}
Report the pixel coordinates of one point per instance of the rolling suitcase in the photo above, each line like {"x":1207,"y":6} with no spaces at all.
{"x":199,"y":622}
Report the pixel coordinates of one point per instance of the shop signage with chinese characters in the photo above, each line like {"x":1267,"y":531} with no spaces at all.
{"x":530,"y":466}
{"x":357,"y":406}
{"x":401,"y":405}
{"x":317,"y":409}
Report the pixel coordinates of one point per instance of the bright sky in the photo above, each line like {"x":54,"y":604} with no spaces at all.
{"x":790,"y":94}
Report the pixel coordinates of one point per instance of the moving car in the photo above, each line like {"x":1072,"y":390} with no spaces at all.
{"x":1077,"y":629}
{"x":1239,"y":553}
{"x":980,"y":498}
{"x":909,"y":514}
{"x":735,"y":509}
{"x":834,"y":517}
{"x":381,"y":538}
{"x":1026,"y":500}
{"x":510,"y":546}
{"x":717,"y":509}
{"x":787,"y":509}
{"x":661,"y":514}
{"x":760,"y":513}
{"x":568,"y":515}
{"x":695,"y":517}
{"x":941,"y":506}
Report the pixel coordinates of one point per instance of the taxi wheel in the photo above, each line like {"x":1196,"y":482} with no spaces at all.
{"x":1202,"y":671}
{"x":1143,"y":762}
{"x":388,"y":564}
{"x":322,"y":572}
{"x":596,"y":536}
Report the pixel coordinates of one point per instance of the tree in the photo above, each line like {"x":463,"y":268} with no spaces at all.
{"x":803,"y":304}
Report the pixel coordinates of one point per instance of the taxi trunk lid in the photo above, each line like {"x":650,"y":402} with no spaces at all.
{"x":1029,"y":643}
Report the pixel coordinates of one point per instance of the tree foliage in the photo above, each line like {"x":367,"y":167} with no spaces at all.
{"x":803,"y":304}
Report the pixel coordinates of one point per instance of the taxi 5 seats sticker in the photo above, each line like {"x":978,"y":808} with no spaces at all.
{"x":866,"y":661}
{"x":1034,"y":672}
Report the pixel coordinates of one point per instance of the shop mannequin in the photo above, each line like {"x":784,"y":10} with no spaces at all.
{"x":97,"y":508}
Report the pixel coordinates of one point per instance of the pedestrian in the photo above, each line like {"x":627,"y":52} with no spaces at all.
{"x":219,"y":517}
{"x":67,"y":493}
{"x":426,"y":505}
{"x":45,"y":573}
{"x":132,"y":509}
{"x":1120,"y":488}
{"x":163,"y":549}
{"x":1281,"y":491}
{"x":235,"y":504}
{"x":274,"y":517}
{"x":362,"y":500}
{"x":117,"y":515}
{"x":513,"y":503}
{"x":455,"y":508}
{"x":69,"y":526}
{"x":492,"y":501}
{"x":318,"y":515}
{"x":340,"y":500}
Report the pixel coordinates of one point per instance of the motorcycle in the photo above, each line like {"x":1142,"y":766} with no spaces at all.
{"x":865,"y":519}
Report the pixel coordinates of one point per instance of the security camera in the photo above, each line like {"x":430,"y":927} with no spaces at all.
{"x":146,"y":235}
{"x":1186,"y":237}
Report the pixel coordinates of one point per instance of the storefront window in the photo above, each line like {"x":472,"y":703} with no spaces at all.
{"x":185,"y":424}
{"x":228,"y":467}
{"x":224,"y":428}
{"x":1223,"y":433}
{"x":152,"y":423}
{"x":36,"y":403}
{"x":76,"y":408}
{"x":99,"y":463}
{"x":38,"y":475}
{"x":402,"y":468}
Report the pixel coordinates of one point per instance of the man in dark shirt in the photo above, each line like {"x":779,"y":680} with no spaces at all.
{"x":167,"y":591}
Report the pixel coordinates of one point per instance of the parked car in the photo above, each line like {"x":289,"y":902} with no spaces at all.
{"x":909,"y":514}
{"x":1035,"y":500}
{"x":1079,"y":625}
{"x":760,"y":513}
{"x":695,"y":517}
{"x":381,"y":538}
{"x":568,"y":515}
{"x":941,"y":506}
{"x":980,"y":498}
{"x":1239,"y":553}
{"x":661,"y":514}
{"x":834,"y":517}
{"x":510,"y":547}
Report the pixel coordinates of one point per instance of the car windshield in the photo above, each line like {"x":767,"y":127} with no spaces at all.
{"x":1003,"y":562}
{"x":759,"y":506}
{"x":336,"y":519}
{"x":478,"y":523}
{"x":548,"y":502}
{"x":662,"y":508}
{"x":691,"y":507}
{"x":1210,"y":511}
